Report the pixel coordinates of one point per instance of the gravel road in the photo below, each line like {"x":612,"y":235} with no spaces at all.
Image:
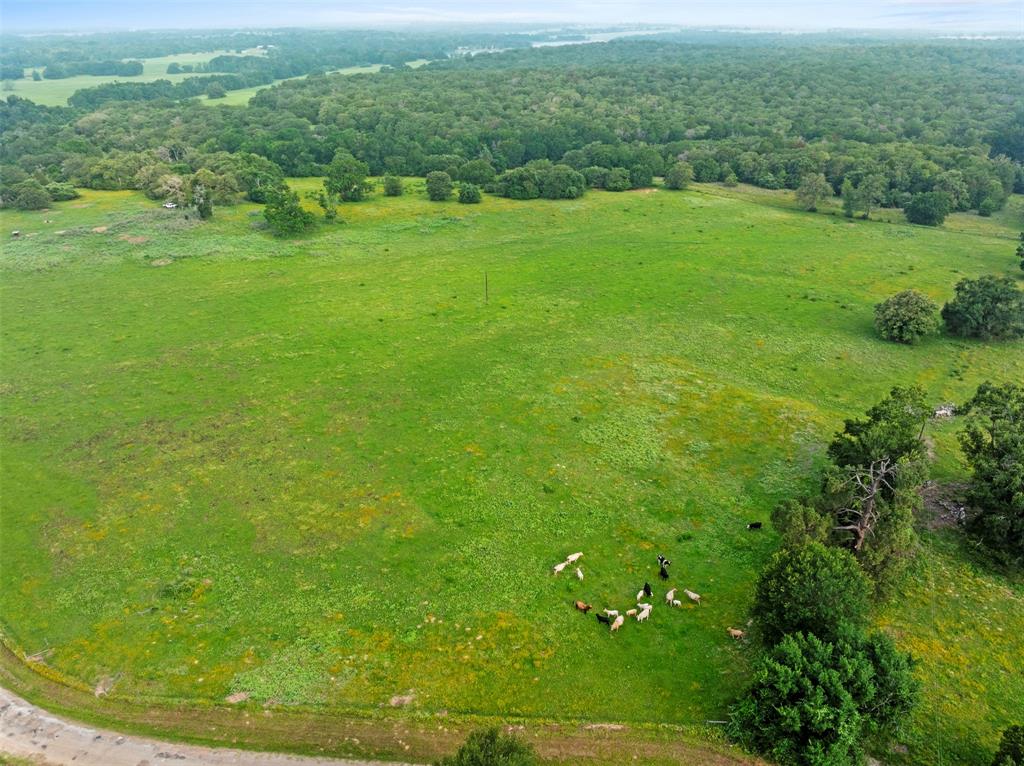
{"x":29,"y":732}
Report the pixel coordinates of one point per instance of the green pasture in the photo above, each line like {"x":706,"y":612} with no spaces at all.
{"x":57,"y":92}
{"x":241,"y":97}
{"x":333,"y":470}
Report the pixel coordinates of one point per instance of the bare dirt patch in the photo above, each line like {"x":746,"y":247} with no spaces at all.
{"x":944,"y":505}
{"x":161,"y":262}
{"x":401,"y":700}
{"x":99,"y":229}
{"x":133,"y":240}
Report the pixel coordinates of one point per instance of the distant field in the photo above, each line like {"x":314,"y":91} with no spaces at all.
{"x":330,"y":470}
{"x":57,"y":92}
{"x":241,"y":97}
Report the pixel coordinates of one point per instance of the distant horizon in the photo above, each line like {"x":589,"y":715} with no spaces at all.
{"x":946,"y":17}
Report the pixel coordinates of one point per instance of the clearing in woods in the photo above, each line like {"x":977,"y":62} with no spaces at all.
{"x":325,"y":472}
{"x":57,"y":92}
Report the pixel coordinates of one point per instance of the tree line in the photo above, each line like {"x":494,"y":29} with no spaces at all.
{"x":927,"y":127}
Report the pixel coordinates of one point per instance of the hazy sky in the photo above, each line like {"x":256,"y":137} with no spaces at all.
{"x":937,"y":15}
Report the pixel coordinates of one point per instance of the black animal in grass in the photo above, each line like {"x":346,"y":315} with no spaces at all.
{"x":663,"y":565}
{"x":604,"y":618}
{"x":647,"y":590}
{"x":754,"y":525}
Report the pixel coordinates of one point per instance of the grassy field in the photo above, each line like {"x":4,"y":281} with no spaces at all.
{"x":241,"y":97}
{"x":57,"y":92}
{"x":326,"y":472}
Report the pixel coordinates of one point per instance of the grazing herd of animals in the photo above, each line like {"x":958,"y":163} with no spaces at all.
{"x":614,"y":620}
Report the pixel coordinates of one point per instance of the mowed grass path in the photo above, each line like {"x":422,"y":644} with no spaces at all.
{"x":326,"y":471}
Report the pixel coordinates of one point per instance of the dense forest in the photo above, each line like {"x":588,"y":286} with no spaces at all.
{"x":883,"y":119}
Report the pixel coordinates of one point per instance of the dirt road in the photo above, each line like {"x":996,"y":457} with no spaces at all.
{"x":29,"y":732}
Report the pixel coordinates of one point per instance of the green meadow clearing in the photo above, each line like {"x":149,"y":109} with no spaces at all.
{"x":327,"y":471}
{"x":57,"y":92}
{"x":241,"y":96}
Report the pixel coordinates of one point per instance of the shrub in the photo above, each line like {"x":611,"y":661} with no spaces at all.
{"x":469,"y":194}
{"x":328,"y":203}
{"x":561,"y":182}
{"x":811,"y":589}
{"x":518,"y":183}
{"x":679,"y":176}
{"x":216,"y":90}
{"x":439,"y":185}
{"x":27,"y":195}
{"x":929,"y":208}
{"x":618,"y":180}
{"x":597,"y":177}
{"x":906,"y":317}
{"x":489,"y":747}
{"x":1011,"y":748}
{"x":392,"y":186}
{"x":60,"y":192}
{"x":993,"y":443}
{"x":989,"y":307}
{"x":479,"y":172}
{"x":813,"y":702}
{"x":284,"y":214}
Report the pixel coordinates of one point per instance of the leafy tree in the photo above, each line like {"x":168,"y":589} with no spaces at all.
{"x":799,"y":523}
{"x":216,"y":90}
{"x":439,"y":185}
{"x":929,"y":208}
{"x":174,"y":68}
{"x":36,"y":77}
{"x":906,"y":317}
{"x":284,"y":214}
{"x":490,"y":747}
{"x":1020,"y":250}
{"x":199,"y":196}
{"x":641,"y":176}
{"x":994,"y":199}
{"x":469,"y":194}
{"x":989,"y":307}
{"x":849,"y":195}
{"x":870,"y":511}
{"x":679,"y":176}
{"x":1011,"y":748}
{"x":813,"y":589}
{"x":813,"y":189}
{"x":392,"y":186}
{"x":346,"y":177}
{"x":730,"y":179}
{"x":479,"y":172}
{"x":561,"y":182}
{"x":813,"y":702}
{"x":993,"y":443}
{"x":893,"y":430}
{"x":618,"y":180}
